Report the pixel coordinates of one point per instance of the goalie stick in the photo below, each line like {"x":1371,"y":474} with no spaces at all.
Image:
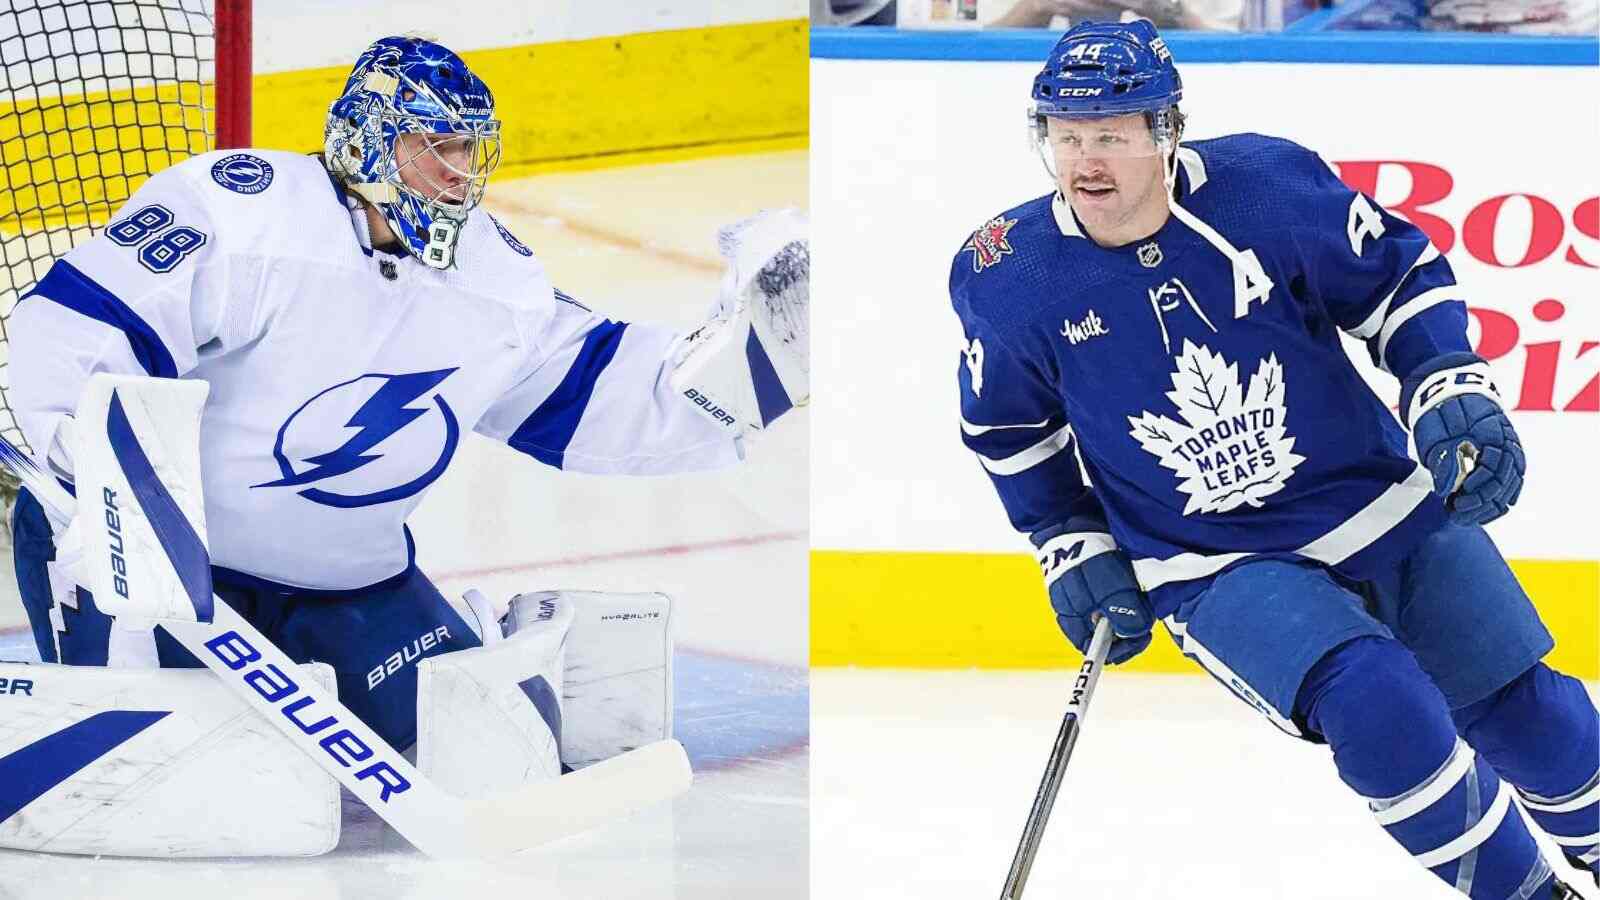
{"x":434,"y":822}
{"x":1082,"y":691}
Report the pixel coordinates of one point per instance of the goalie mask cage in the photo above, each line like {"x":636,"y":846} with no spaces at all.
{"x":95,"y":97}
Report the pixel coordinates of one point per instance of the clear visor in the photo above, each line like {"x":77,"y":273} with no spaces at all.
{"x":1061,"y":141}
{"x":449,"y":170}
{"x":1120,"y":138}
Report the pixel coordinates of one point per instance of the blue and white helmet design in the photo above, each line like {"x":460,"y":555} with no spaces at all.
{"x":425,"y":186}
{"x":1100,"y":69}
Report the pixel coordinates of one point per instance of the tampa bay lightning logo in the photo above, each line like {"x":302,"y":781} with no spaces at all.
{"x":511,"y":239}
{"x":384,"y":406}
{"x":242,"y":173}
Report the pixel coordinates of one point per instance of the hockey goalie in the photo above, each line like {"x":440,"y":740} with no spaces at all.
{"x":240,"y":390}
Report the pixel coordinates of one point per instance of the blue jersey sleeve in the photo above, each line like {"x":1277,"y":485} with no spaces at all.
{"x":1013,"y":418}
{"x":1379,"y":277}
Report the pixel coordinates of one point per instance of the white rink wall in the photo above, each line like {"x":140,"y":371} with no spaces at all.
{"x":909,"y":156}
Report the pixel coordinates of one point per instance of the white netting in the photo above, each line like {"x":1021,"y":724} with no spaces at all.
{"x":95,"y":96}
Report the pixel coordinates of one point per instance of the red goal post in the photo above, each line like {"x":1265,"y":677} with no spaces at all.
{"x":95,"y":97}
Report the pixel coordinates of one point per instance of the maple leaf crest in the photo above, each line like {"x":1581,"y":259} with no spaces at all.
{"x":1230,"y":446}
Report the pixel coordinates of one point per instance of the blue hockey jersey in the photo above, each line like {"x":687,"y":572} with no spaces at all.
{"x":1198,"y":374}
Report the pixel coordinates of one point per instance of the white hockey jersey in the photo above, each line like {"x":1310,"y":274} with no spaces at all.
{"x":342,"y":379}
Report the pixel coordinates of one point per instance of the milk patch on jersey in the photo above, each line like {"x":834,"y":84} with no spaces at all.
{"x":1229,"y":447}
{"x":1092,"y":326}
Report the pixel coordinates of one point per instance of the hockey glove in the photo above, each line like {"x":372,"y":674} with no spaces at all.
{"x":1088,"y":577}
{"x":1464,"y":437}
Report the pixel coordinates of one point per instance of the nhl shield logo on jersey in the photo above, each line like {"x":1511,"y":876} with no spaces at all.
{"x":243,"y":173}
{"x":988,"y":244}
{"x":1149,"y":255}
{"x":340,"y":441}
{"x":1229,"y":446}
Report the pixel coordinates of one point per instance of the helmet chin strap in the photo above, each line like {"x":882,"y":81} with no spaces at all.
{"x":374,"y":192}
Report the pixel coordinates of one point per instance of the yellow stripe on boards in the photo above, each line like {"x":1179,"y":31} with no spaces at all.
{"x":69,"y":160}
{"x":626,"y":100}
{"x":622,"y":100}
{"x":989,"y":610}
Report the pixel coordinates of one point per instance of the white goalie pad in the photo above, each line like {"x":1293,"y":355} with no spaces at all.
{"x":490,"y":717}
{"x":158,"y":763}
{"x":619,"y":673}
{"x":579,"y":677}
{"x":141,"y":551}
{"x":751,"y":361}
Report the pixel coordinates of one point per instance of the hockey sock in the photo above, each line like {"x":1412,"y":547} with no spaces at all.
{"x":1542,"y":733}
{"x":1395,"y":744}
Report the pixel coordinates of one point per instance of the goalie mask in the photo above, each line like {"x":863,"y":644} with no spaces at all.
{"x":414,"y":134}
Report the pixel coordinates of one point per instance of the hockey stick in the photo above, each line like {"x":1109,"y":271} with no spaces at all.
{"x":1082,"y":691}
{"x":434,"y":822}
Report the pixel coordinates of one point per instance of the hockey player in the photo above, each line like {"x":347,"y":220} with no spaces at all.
{"x":1168,"y":318}
{"x":354,"y":314}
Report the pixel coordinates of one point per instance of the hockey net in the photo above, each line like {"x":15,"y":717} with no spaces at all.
{"x":95,"y":97}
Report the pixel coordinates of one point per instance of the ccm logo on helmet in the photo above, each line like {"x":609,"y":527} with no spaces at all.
{"x":1080,"y":92}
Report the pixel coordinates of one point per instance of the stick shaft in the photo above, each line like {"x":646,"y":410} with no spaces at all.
{"x":1071,"y":724}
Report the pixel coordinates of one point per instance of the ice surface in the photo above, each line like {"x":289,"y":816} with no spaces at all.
{"x":921,"y":782}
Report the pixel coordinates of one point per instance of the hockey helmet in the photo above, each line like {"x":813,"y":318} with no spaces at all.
{"x":1100,"y":69}
{"x":408,"y":85}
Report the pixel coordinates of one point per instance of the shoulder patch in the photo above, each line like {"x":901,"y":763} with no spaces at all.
{"x":989,"y":244}
{"x":511,"y":239}
{"x":242,"y":173}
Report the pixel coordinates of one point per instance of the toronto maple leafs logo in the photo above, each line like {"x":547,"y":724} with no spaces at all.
{"x":988,"y":244}
{"x":1230,"y":446}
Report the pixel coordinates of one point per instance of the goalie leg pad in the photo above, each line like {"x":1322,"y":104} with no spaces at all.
{"x":491,"y":717}
{"x":153,"y":762}
{"x":619,"y":672}
{"x":579,"y":677}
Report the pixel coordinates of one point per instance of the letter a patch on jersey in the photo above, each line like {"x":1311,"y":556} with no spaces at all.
{"x":988,"y":244}
{"x":1229,"y":447}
